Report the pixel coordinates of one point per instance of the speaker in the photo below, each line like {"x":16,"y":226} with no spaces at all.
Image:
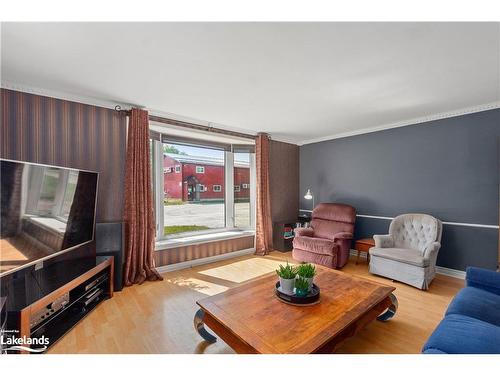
{"x":110,"y":240}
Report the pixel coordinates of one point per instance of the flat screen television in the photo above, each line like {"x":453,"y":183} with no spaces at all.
{"x":45,"y":211}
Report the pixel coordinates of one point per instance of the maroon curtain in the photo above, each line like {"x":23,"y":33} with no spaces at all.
{"x":263,"y":230}
{"x":139,"y":216}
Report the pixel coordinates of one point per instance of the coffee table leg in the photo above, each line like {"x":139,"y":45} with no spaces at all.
{"x":391,"y":310}
{"x":200,"y":327}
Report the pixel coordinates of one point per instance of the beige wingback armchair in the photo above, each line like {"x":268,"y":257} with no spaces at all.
{"x":409,"y":252}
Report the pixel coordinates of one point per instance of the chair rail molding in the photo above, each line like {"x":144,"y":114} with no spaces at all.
{"x":475,"y":225}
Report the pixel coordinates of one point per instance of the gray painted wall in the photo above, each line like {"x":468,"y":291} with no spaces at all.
{"x":448,"y":168}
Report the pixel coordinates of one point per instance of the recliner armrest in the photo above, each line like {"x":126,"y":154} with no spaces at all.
{"x":342,"y":236}
{"x":383,"y":240}
{"x":304,"y":232}
{"x":483,"y":279}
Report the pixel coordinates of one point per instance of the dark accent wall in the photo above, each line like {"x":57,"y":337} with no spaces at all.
{"x":448,"y":168}
{"x":52,"y":131}
{"x":284,"y":180}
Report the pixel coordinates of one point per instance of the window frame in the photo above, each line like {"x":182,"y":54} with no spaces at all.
{"x":229,"y":201}
{"x":178,"y":168}
{"x":219,"y":190}
{"x":200,"y":169}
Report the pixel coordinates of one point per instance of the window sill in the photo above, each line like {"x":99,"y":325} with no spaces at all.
{"x":202,"y":238}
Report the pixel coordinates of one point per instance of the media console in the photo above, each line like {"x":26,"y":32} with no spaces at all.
{"x":65,"y":294}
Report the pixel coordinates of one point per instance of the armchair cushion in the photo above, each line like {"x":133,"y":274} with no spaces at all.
{"x":408,"y":256}
{"x":483,"y":279}
{"x":315,"y":245}
{"x":415,"y":231}
{"x":383,"y":240}
{"x":308,"y":232}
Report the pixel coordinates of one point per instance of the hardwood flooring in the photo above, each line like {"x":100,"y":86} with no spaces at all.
{"x":157,"y":317}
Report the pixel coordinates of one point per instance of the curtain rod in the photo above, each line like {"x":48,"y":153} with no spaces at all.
{"x":188,"y":125}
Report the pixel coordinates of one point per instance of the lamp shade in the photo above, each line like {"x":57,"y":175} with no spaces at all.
{"x":308,"y":194}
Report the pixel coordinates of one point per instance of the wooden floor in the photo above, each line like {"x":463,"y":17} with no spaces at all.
{"x":157,"y":317}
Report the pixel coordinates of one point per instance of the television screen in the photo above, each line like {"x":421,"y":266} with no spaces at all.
{"x":45,"y":210}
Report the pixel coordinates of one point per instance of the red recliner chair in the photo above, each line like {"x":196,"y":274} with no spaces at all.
{"x":328,"y":241}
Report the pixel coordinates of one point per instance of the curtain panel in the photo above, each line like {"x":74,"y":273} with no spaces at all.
{"x":138,"y":214}
{"x":263,"y":228}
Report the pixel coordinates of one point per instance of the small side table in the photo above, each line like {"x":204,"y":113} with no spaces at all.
{"x":363,"y":245}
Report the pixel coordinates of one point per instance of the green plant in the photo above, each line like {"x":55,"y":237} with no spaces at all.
{"x":174,"y":229}
{"x":306,"y":270}
{"x":301,"y":284}
{"x":287,"y":272}
{"x":173,"y":202}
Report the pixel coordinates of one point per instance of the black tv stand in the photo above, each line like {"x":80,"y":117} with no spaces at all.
{"x":65,"y":298}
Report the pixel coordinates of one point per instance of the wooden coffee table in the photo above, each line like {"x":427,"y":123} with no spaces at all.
{"x":251,"y":319}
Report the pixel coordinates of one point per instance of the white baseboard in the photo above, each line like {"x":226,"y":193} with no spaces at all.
{"x":441,"y":270}
{"x":197,"y":262}
{"x":450,"y":272}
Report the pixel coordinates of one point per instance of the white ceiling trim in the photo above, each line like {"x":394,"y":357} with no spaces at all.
{"x":112,"y":104}
{"x":63,"y":96}
{"x":414,"y":121}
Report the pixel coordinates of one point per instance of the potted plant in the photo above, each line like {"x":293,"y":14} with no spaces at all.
{"x":307,"y":271}
{"x":301,"y":286}
{"x":287,"y":277}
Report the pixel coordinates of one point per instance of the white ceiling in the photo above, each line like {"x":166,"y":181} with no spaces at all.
{"x":298,"y":81}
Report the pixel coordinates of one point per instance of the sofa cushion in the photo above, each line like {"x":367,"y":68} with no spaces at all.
{"x":460,"y":334}
{"x":433,"y":351}
{"x":483,"y":279}
{"x":408,"y":256}
{"x":476,"y":303}
{"x":315,"y":245}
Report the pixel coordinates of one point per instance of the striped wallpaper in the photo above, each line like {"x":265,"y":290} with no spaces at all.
{"x":52,"y":131}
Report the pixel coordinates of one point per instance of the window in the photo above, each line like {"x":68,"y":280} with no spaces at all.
{"x":200,"y":199}
{"x":177,"y":169}
{"x":244,"y":169}
{"x":188,"y":206}
{"x":167,"y":170}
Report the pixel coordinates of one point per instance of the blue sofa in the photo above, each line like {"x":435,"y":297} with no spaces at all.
{"x":472,"y":322}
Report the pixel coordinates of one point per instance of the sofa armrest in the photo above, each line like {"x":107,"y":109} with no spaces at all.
{"x":304,"y":232}
{"x":431,"y":249}
{"x":483,"y":279}
{"x":342,"y":236}
{"x":383,"y":240}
